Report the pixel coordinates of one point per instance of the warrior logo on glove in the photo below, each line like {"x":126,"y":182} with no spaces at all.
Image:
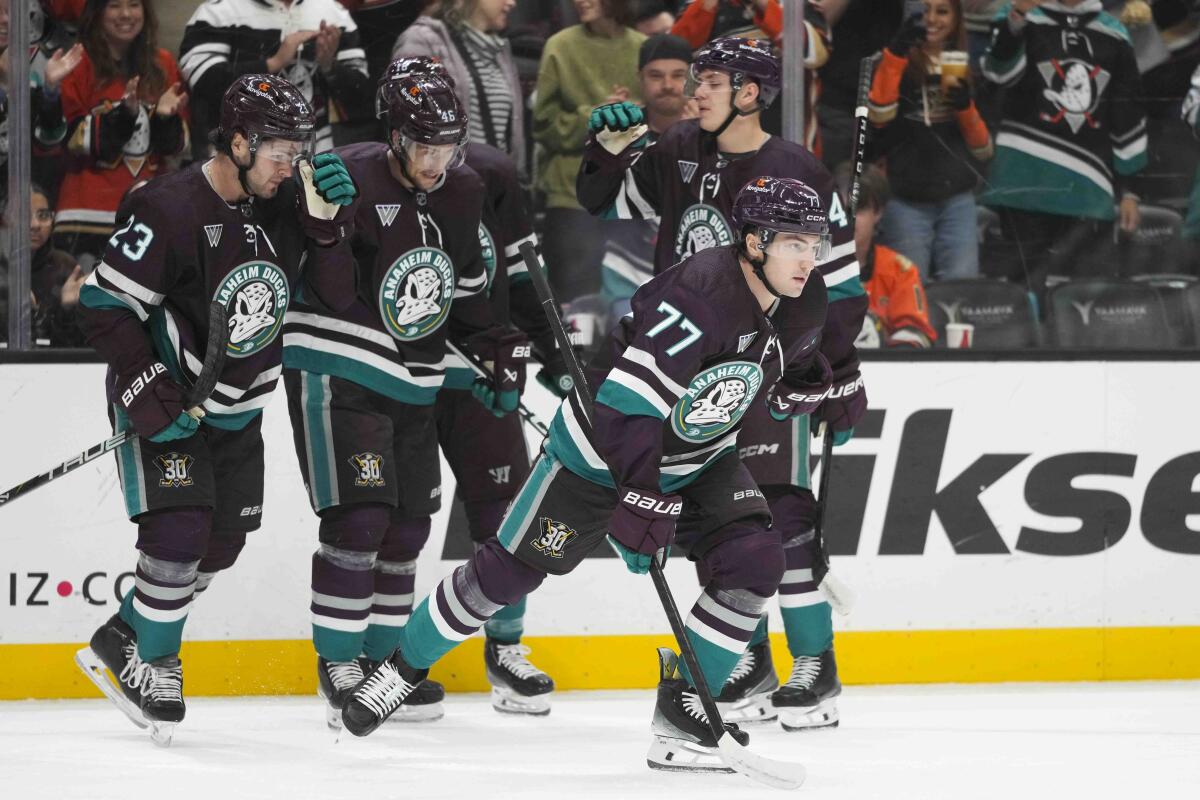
{"x":414,"y":298}
{"x":256,"y":294}
{"x":554,"y":537}
{"x":715,"y":401}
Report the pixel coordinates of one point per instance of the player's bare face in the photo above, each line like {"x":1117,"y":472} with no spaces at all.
{"x":122,"y":21}
{"x":712,"y":91}
{"x":427,"y":162}
{"x":791,"y":260}
{"x":273,"y":165}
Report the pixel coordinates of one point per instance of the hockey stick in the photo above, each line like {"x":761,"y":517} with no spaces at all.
{"x":479,"y":369}
{"x":778,"y":774}
{"x":206,"y":381}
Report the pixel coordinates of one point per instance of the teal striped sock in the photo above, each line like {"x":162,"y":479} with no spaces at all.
{"x":719,"y":627}
{"x":508,"y":624}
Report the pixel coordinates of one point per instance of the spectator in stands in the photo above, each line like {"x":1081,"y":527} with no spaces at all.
{"x":858,"y":28}
{"x":125,"y":106}
{"x":1072,"y":138}
{"x":55,"y":277}
{"x":935,"y":144}
{"x":1191,"y":118}
{"x":898,"y":315}
{"x":583,"y":66}
{"x":663,"y":63}
{"x":312,"y":43}
{"x":465,"y":35}
{"x":652,"y":17}
{"x":380,"y":23}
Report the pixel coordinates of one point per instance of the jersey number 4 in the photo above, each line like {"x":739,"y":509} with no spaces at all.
{"x":674,"y":315}
{"x":137,"y":241}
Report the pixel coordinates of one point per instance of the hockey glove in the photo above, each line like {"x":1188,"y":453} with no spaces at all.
{"x":504,"y":352}
{"x":155,"y":404}
{"x":843,"y":407}
{"x":910,"y":34}
{"x":555,"y":376}
{"x":326,"y":188}
{"x":618,"y":126}
{"x":642,"y":524}
{"x":791,"y":398}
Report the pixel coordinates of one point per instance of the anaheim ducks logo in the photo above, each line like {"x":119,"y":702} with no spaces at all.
{"x":414,"y":298}
{"x":715,"y":401}
{"x":1073,"y":89}
{"x":702,"y":226}
{"x":256,"y":295}
{"x":488,"y":246}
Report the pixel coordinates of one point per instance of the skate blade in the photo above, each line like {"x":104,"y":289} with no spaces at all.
{"x":680,"y":755}
{"x":91,"y":665}
{"x":161,"y":733}
{"x":809,"y":718}
{"x":430,"y":712}
{"x":333,"y":718}
{"x":750,"y":710}
{"x":506,"y":701}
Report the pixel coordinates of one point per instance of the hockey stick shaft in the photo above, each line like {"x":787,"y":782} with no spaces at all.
{"x":866,"y":71}
{"x":479,"y":369}
{"x":584,"y":393}
{"x":206,"y":381}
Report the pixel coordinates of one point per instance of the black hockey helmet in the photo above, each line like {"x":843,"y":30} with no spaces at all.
{"x":769,"y":206}
{"x":265,"y":107}
{"x":742,"y":59}
{"x":425,"y":111}
{"x":404,"y":67}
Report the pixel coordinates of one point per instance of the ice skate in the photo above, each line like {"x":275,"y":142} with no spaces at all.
{"x":335,"y":680}
{"x":114,"y":646}
{"x":518,"y":687}
{"x":681,"y":738}
{"x":380,"y":694}
{"x":162,"y":697}
{"x":746,"y":695}
{"x":808,"y":700}
{"x":423,"y":704}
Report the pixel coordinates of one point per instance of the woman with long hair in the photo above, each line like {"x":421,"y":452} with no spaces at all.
{"x":934,"y":140}
{"x":125,"y":108}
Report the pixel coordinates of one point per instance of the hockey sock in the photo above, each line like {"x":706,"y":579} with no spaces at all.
{"x":342,"y":593}
{"x":760,"y":633}
{"x":507,"y":625}
{"x":719,"y":628}
{"x":807,"y":618}
{"x":390,"y":607}
{"x":453,"y":611}
{"x":157,"y":606}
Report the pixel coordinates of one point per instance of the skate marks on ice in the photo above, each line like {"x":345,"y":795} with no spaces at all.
{"x":1098,"y":741}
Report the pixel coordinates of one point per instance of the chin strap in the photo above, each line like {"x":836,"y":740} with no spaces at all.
{"x":759,"y":267}
{"x":734,"y":111}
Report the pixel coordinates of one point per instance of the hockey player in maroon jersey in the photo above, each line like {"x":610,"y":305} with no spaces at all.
{"x":236,"y":229}
{"x":689,"y":176}
{"x":726,"y":329}
{"x":362,"y":383}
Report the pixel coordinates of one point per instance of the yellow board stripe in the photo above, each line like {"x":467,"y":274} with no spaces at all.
{"x":628,"y":662}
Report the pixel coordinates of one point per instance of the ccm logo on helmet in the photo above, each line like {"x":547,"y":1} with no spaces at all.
{"x":141,"y":382}
{"x":651,"y":504}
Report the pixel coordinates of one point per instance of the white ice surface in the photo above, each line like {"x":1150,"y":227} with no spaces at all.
{"x":1016,"y":742}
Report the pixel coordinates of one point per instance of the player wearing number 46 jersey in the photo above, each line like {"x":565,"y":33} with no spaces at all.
{"x":362,"y":383}
{"x":689,"y":176}
{"x":233,"y":229}
{"x":702,"y":345}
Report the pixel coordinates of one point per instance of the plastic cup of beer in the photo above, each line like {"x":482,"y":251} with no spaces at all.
{"x":955,"y":67}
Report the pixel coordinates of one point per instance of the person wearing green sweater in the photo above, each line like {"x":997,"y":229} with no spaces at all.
{"x":583,"y":66}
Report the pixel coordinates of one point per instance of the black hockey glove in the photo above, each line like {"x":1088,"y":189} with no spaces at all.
{"x":555,"y":376}
{"x":154,"y":404}
{"x":791,"y":398}
{"x":843,"y":407}
{"x":504,"y":352}
{"x":910,"y":34}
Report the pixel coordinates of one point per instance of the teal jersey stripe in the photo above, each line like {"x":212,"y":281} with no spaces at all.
{"x":303,"y":358}
{"x":801,"y":444}
{"x":319,"y":441}
{"x":845,"y":290}
{"x":95,"y":297}
{"x":458,"y":378}
{"x":625,"y":400}
{"x":519,"y":278}
{"x":129,"y":468}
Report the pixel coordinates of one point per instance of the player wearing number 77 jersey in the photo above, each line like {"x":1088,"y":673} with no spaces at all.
{"x":700,"y":347}
{"x":233,"y":229}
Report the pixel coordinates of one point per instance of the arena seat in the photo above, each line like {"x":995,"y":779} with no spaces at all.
{"x":1107,"y":313}
{"x":1001,"y":312}
{"x":1173,"y":290}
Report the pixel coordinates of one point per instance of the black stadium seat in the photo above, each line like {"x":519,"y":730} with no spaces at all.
{"x":1173,"y":290}
{"x":1001,"y":312}
{"x":1191,"y":297}
{"x":1154,"y":247}
{"x":1108,"y":313}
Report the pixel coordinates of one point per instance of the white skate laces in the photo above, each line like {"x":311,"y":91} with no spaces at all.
{"x":384,"y":691}
{"x":805,"y":670}
{"x":513,"y":658}
{"x":745,"y":665}
{"x":135,"y":669}
{"x":344,"y":675}
{"x":165,"y":683}
{"x":693,"y":706}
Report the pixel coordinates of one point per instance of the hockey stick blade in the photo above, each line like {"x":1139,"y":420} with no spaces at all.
{"x":773,"y":772}
{"x":778,"y":774}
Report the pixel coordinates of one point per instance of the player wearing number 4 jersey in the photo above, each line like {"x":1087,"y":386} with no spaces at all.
{"x":362,"y":383}
{"x":702,"y":345}
{"x":233,"y":229}
{"x":689,"y":176}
